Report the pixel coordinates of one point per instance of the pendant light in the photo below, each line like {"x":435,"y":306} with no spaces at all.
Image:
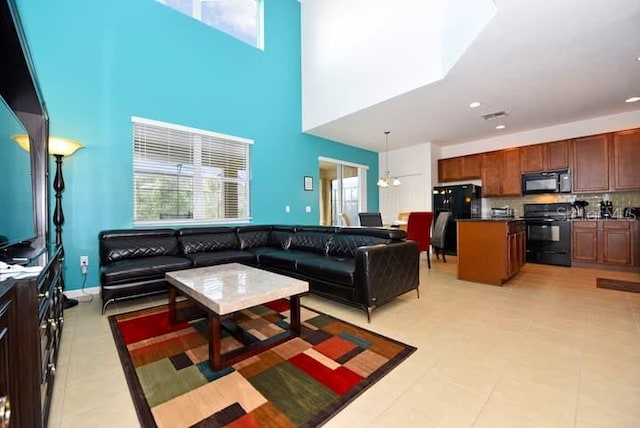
{"x":386,"y":180}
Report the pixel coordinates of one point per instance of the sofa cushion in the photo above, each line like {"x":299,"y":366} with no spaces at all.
{"x":142,"y":268}
{"x":220,"y":257}
{"x":132,"y":244}
{"x":346,"y":245}
{"x":283,"y":259}
{"x":329,"y":269}
{"x":200,"y":240}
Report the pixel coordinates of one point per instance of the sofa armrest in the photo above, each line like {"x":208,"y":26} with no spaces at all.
{"x":385,"y":271}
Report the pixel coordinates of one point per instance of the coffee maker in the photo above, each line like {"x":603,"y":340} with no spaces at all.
{"x":606,"y":209}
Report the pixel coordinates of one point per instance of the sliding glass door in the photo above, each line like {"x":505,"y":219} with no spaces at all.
{"x":342,"y":192}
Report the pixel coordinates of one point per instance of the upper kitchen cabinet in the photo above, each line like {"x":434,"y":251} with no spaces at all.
{"x":501,"y":173}
{"x":625,"y":158}
{"x":545,"y":157}
{"x":591,"y":163}
{"x":459,"y":168}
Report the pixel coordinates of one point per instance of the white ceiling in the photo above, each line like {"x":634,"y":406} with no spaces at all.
{"x":545,"y":62}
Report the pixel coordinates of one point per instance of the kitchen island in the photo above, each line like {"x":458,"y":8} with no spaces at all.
{"x":490,"y":251}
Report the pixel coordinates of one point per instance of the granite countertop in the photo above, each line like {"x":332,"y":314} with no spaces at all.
{"x":491,"y":219}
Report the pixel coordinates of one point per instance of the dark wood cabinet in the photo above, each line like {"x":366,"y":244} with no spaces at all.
{"x":557,"y":155}
{"x":591,"y":163}
{"x":606,"y":242}
{"x":34,"y":340}
{"x":532,"y":158}
{"x":501,"y":173}
{"x":616,"y":242}
{"x":626,"y":160}
{"x":449,"y":169}
{"x":8,"y":355}
{"x":459,"y":168}
{"x":585,"y":241}
{"x":545,"y":157}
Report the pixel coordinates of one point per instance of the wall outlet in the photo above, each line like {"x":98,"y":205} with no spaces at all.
{"x":84,"y":260}
{"x":308,"y":208}
{"x":287,"y":209}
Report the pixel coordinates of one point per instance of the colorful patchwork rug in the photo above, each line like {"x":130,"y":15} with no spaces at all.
{"x":300,"y":383}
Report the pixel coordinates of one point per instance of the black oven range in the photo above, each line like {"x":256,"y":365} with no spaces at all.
{"x":548,"y":233}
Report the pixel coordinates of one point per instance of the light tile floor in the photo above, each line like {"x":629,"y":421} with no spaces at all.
{"x":549,"y":349}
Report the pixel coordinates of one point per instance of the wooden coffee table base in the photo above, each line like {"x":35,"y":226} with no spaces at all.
{"x":218,"y":360}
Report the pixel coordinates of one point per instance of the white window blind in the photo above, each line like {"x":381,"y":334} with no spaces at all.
{"x":185,"y":175}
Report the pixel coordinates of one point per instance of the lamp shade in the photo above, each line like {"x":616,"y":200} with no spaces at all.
{"x":57,"y":145}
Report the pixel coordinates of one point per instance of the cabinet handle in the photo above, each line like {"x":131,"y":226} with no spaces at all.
{"x":45,"y":295}
{"x":5,"y":412}
{"x":52,"y":368}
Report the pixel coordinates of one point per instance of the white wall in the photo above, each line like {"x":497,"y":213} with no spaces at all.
{"x":358,"y":53}
{"x":413,"y":166}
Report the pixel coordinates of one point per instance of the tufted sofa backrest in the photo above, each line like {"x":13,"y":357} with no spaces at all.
{"x":253,"y":236}
{"x":313,"y":239}
{"x":207,"y":239}
{"x":127,"y":244}
{"x":345,"y":245}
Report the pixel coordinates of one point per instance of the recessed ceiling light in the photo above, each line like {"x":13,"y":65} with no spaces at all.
{"x":632,"y":100}
{"x":501,"y":126}
{"x":474,"y":104}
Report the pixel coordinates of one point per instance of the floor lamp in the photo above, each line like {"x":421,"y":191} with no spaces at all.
{"x":58,"y":147}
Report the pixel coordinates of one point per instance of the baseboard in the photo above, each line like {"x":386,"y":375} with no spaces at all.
{"x":79,"y":293}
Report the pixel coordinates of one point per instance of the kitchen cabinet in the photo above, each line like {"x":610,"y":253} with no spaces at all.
{"x":584,"y":241}
{"x":490,"y":251}
{"x":591,"y":163}
{"x":459,"y":168}
{"x":8,"y":379}
{"x":545,"y":157}
{"x":625,"y":160}
{"x":501,"y":173}
{"x":606,"y":242}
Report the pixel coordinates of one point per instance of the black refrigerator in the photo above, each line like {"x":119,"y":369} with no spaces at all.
{"x":463,"y":201}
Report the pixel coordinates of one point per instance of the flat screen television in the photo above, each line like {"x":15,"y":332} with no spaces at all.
{"x":17,"y":214}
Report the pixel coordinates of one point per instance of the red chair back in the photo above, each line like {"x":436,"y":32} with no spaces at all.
{"x":419,"y":228}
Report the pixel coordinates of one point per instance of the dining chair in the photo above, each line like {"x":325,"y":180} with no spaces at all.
{"x":419,"y":230}
{"x":370,"y":219}
{"x":346,"y":219}
{"x":439,"y":233}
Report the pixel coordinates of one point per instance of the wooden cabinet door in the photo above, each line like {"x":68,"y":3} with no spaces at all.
{"x":626,"y":160}
{"x":532,"y":158}
{"x":471,"y":167}
{"x":511,"y":177}
{"x":449,"y":169}
{"x":492,"y":174}
{"x":557,"y":155}
{"x":616,"y":242}
{"x":591,"y":163}
{"x":585,"y":241}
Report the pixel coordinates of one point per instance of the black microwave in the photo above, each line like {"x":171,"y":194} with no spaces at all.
{"x":546,"y":182}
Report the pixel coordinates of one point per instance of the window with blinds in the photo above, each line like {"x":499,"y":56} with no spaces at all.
{"x":185,"y":175}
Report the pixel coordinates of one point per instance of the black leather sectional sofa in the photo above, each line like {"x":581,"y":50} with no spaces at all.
{"x":365,"y":267}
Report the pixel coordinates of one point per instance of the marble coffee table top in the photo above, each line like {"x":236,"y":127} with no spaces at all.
{"x":231,"y":287}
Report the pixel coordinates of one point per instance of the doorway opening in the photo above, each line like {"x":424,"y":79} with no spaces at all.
{"x":343,"y":192}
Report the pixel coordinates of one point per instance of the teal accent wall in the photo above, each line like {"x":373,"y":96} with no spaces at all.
{"x":99,"y":63}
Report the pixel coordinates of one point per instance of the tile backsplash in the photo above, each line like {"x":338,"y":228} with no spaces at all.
{"x":620,"y":200}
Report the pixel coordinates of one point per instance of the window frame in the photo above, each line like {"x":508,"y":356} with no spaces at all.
{"x":198,"y":173}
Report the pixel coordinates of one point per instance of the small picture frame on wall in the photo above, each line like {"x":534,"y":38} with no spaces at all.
{"x":308,"y":183}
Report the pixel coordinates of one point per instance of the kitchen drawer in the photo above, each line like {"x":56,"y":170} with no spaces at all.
{"x":613,"y":224}
{"x":585,"y":225}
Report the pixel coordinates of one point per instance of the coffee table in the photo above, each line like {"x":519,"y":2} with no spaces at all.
{"x":224,"y":289}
